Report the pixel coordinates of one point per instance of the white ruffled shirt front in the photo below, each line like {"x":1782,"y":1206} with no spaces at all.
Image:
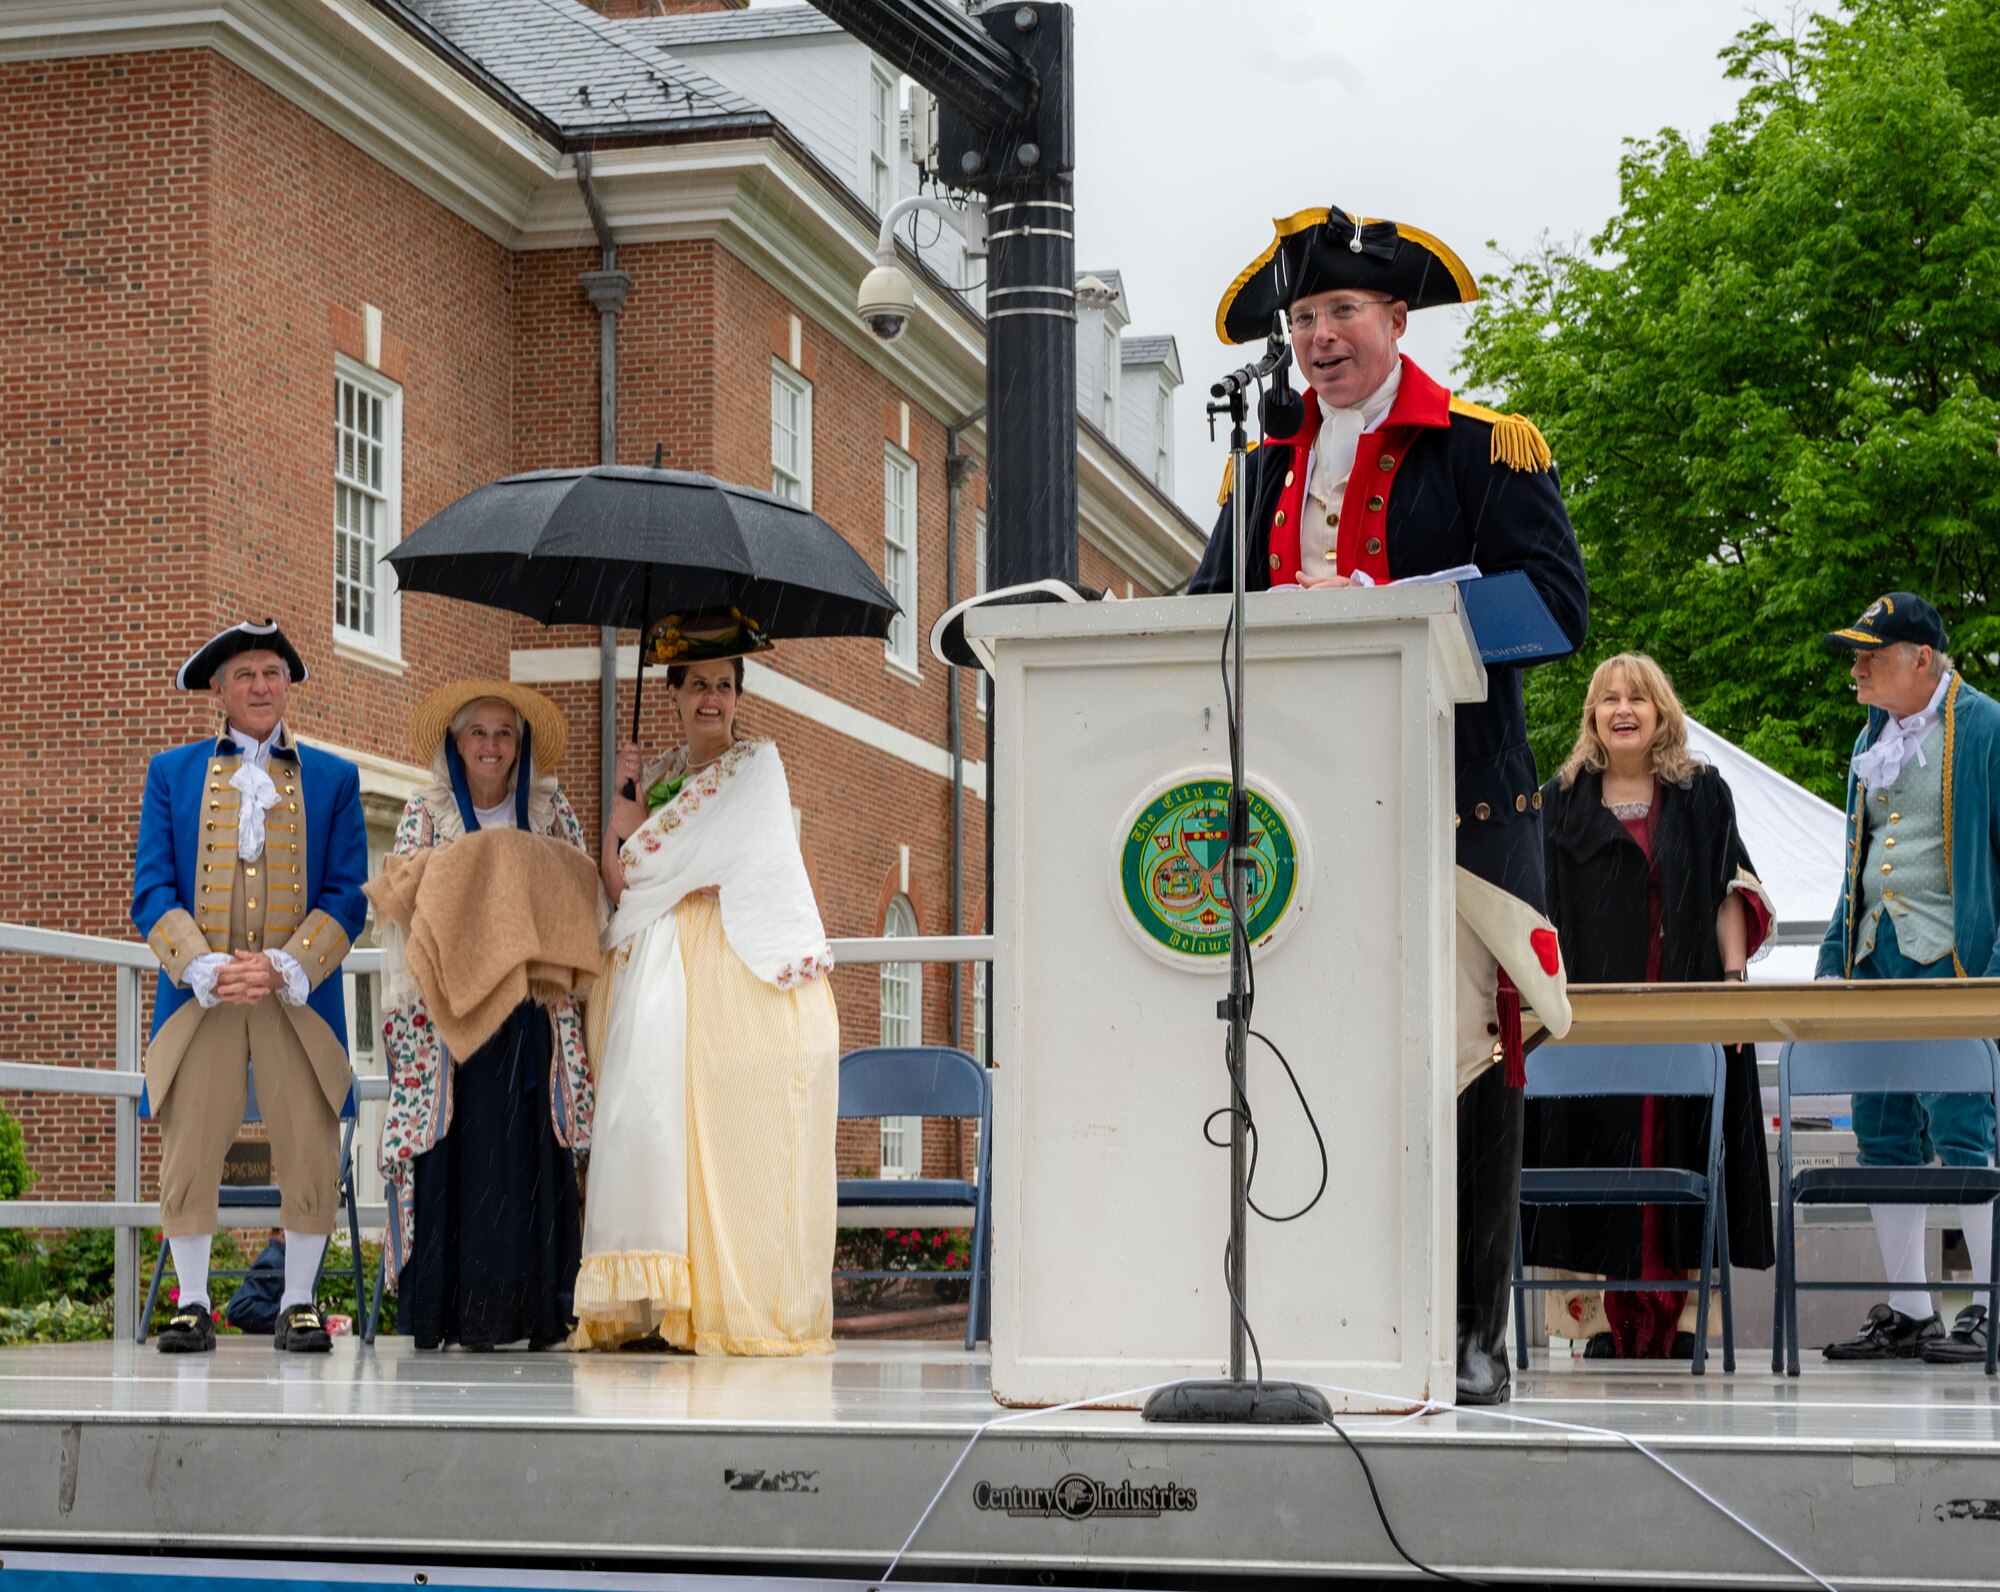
{"x":253,"y":781}
{"x":1900,"y":740}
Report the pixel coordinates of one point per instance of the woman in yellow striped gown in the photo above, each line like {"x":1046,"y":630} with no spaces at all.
{"x":709,"y":1222}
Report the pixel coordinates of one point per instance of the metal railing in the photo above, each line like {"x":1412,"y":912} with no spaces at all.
{"x":133,"y":964}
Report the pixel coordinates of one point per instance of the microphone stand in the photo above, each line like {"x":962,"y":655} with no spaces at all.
{"x":1238,"y":1400}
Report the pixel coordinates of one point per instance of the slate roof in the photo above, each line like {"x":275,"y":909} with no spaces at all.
{"x":727,"y":27}
{"x":577,"y":70}
{"x":1149,"y":350}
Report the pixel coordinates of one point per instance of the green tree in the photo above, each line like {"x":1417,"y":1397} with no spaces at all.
{"x":1771,"y":380}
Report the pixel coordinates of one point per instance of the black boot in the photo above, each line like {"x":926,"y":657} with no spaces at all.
{"x":1489,"y":1203}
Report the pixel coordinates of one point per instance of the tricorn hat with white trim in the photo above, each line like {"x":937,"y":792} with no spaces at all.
{"x":1317,"y":251}
{"x":199,"y":671}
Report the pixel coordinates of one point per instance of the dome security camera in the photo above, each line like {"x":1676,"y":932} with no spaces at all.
{"x":886,"y":302}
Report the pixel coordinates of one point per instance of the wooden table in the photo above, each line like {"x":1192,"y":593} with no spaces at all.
{"x":1732,"y":1013}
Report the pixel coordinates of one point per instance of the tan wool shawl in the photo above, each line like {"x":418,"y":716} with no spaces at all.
{"x":492,"y":920}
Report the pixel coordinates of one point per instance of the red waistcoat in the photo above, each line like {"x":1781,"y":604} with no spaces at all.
{"x":1361,"y":539}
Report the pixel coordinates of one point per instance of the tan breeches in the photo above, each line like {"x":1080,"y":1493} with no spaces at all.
{"x":203,"y":1109}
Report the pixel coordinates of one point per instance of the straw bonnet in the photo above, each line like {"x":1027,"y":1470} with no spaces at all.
{"x":432,"y":719}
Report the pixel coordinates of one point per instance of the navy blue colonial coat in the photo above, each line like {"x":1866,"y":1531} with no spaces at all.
{"x":187,"y":832}
{"x":1438,"y":484}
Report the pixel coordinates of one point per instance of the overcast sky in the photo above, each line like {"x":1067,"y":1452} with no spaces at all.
{"x":1200,"y":120}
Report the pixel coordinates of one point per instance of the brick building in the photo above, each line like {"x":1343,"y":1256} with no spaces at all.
{"x":217,"y":219}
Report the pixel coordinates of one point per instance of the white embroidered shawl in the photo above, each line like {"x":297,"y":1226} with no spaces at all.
{"x":729,"y":827}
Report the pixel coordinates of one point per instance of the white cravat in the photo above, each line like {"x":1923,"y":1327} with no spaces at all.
{"x":260,"y":793}
{"x":1899,"y":741}
{"x":1340,"y":433}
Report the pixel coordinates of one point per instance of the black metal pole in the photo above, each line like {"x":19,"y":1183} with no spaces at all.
{"x":1031,"y":380}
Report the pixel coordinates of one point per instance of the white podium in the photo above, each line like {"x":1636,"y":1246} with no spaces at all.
{"x":1110,"y":1211}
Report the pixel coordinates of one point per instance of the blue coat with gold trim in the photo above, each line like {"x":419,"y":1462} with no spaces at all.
{"x":166,"y":869}
{"x":1438,"y":484}
{"x":1972,"y":838}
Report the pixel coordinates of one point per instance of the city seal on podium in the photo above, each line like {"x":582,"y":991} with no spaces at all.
{"x":1172,"y":871}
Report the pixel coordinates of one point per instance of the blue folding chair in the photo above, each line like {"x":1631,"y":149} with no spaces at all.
{"x":925,"y":1081}
{"x":1899,"y":1066}
{"x":1681,"y":1071}
{"x":267,"y":1197}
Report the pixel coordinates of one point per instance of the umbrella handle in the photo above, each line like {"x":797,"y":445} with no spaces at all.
{"x":630,"y":791}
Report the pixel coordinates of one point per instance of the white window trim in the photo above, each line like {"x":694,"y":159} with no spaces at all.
{"x":902,"y":659}
{"x":388,"y":645}
{"x":1108,"y":399}
{"x":881,"y":163}
{"x":898,"y":923}
{"x":783,"y":375}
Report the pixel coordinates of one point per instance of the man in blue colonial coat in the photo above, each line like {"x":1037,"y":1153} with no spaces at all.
{"x":1921,"y":899}
{"x":1387,"y":475}
{"x":247,"y":886}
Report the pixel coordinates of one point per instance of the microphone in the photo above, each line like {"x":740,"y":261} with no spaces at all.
{"x":1276,"y":357}
{"x":1283,"y":414}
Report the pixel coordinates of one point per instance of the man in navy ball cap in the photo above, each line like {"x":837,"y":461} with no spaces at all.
{"x":1921,"y":899}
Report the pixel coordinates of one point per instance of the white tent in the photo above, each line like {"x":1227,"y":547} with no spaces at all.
{"x":1796,"y":842}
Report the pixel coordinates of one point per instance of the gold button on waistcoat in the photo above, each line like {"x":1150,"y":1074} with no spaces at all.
{"x":1888,"y":867}
{"x":1888,"y":895}
{"x":1482,"y":811}
{"x":1329,"y":555}
{"x":1895,"y":818}
{"x":1333,"y":516}
{"x":250,"y":872}
{"x":1373,"y":544}
{"x":1387,"y":461}
{"x":1890,"y":842}
{"x":1281,"y":517}
{"x":1375,"y":504}
{"x":1883,"y":800}
{"x":1274,"y":560}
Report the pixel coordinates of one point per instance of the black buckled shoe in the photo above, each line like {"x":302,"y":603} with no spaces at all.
{"x":1965,"y":1344}
{"x":1888,"y":1335}
{"x":301,"y":1331}
{"x":190,"y":1332}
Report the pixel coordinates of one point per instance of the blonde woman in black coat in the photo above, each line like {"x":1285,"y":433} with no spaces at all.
{"x":1648,"y":882}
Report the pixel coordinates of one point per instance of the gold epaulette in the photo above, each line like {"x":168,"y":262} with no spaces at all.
{"x":1516,"y":441}
{"x":1229,"y":478}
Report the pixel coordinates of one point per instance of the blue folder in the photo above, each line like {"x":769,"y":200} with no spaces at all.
{"x":1510,"y":621}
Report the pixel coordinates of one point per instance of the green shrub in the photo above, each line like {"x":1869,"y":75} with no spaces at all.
{"x":54,"y":1321}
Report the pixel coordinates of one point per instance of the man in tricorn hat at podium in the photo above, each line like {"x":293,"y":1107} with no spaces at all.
{"x":1382,"y":474}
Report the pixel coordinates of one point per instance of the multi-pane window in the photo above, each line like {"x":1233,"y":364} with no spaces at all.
{"x":367,"y":467}
{"x":902,"y":1024}
{"x":1107,"y":417}
{"x":899,"y":551}
{"x":791,"y":434}
{"x":881,"y":140}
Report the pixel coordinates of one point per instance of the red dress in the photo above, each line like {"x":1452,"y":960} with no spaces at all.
{"x":1643,"y":1322}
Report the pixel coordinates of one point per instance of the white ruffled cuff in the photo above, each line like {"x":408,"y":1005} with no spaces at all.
{"x":201,"y":975}
{"x":296,"y":987}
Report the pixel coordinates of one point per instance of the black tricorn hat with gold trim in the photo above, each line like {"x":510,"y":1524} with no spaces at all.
{"x":1317,"y":251}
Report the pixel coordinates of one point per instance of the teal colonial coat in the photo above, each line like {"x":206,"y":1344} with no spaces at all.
{"x":1971,"y":838}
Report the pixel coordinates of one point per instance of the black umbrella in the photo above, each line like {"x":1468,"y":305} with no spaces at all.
{"x":621,"y":545}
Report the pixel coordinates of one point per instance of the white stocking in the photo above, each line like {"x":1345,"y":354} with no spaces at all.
{"x":191,"y":1267}
{"x":302,"y":1252}
{"x":1976,"y":1222}
{"x":1899,"y":1230}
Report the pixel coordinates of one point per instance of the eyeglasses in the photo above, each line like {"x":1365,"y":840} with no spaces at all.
{"x":1341,"y":314}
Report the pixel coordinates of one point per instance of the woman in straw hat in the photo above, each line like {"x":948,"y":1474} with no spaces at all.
{"x":710,"y":1222}
{"x":482,"y":1186}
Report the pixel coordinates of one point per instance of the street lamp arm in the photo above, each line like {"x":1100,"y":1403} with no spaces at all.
{"x":948,"y":52}
{"x":969,"y":218}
